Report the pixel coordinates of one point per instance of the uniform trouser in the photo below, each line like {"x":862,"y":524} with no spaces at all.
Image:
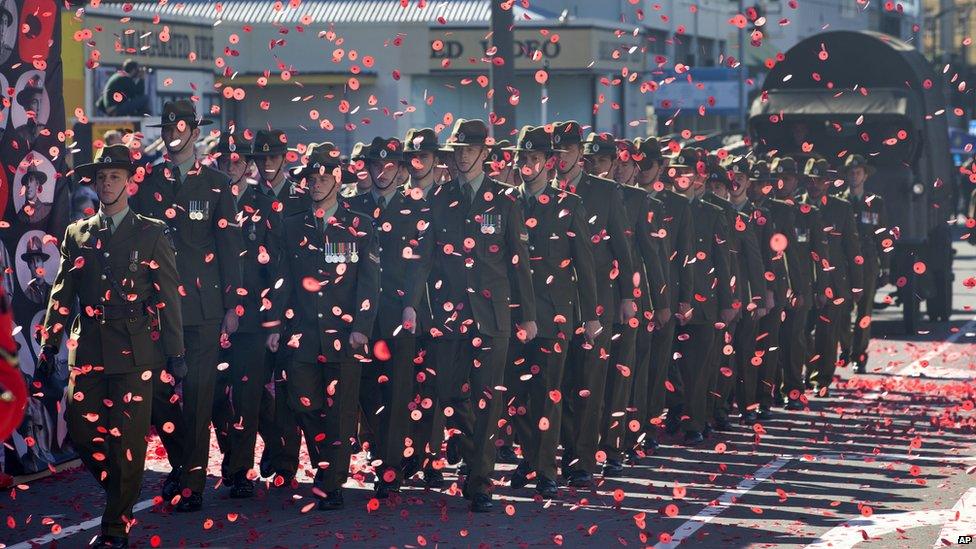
{"x":619,"y":386}
{"x":660,"y":370}
{"x":642,"y":389}
{"x":325,"y":400}
{"x":768,"y":347}
{"x":794,"y":345}
{"x":466,"y":380}
{"x":428,"y":430}
{"x":854,"y":339}
{"x":281,"y":434}
{"x":830,"y":324}
{"x":723,"y":372}
{"x":385,"y":394}
{"x":239,"y":401}
{"x":538,"y":417}
{"x":187,"y":438}
{"x":586,"y":372}
{"x":741,"y":386}
{"x":694,"y":344}
{"x":112,"y":442}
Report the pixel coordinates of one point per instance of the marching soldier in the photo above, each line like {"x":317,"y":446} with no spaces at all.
{"x":399,"y":219}
{"x":844,"y":275}
{"x":196,"y":203}
{"x":600,"y":157}
{"x":697,"y":333}
{"x":357,"y":161}
{"x":500,"y":164}
{"x":677,"y":235}
{"x":328,"y":287}
{"x":737,"y":374}
{"x":802,"y":231}
{"x":587,"y":365}
{"x":872,"y":227}
{"x":564,"y":279}
{"x":122,"y":269}
{"x":479,"y":263}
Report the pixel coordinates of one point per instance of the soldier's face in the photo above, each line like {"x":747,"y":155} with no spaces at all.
{"x":269,"y":166}
{"x":383,"y":172}
{"x":531,"y":165}
{"x":234,"y":165}
{"x":323,"y":186}
{"x":30,"y":189}
{"x":741,"y":186}
{"x":110,"y":185}
{"x":857,"y":176}
{"x":601,"y":165}
{"x":450,"y":170}
{"x":718,"y":189}
{"x":179,"y":136}
{"x":466,"y":158}
{"x":789,"y":185}
{"x":818,"y":186}
{"x":420,"y":164}
{"x":626,"y":171}
{"x":569,"y":158}
{"x":759,"y":190}
{"x":683,"y":178}
{"x":36,"y":265}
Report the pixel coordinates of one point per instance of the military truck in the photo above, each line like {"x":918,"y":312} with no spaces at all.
{"x":869,"y":93}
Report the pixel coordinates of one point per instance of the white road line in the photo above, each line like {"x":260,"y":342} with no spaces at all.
{"x":915,"y":368}
{"x":72,"y":530}
{"x":962,"y":521}
{"x":709,"y":512}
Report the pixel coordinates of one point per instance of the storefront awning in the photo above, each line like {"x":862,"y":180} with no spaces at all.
{"x":305,"y":79}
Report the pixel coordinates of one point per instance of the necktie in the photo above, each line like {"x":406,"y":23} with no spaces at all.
{"x":467,"y":192}
{"x":382,"y":203}
{"x":109,"y":225}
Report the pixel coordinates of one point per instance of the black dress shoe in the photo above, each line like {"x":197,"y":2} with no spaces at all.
{"x":722,"y":425}
{"x":520,"y":477}
{"x":580,"y":479}
{"x":860,"y":368}
{"x":464,"y":470}
{"x":546,"y":487}
{"x":613,"y":468}
{"x":409,"y":467}
{"x":693,"y":438}
{"x":265,"y":467}
{"x":433,"y":478}
{"x":171,"y":486}
{"x":794,"y":405}
{"x":190,"y":504}
{"x":454,"y":450}
{"x":506,"y":454}
{"x":242,"y":487}
{"x":384,"y":489}
{"x":103,"y":541}
{"x":481,"y":503}
{"x":750,"y":418}
{"x":633,"y":458}
{"x":332,"y":501}
{"x":672,"y":423}
{"x":764,"y":414}
{"x":707,"y":430}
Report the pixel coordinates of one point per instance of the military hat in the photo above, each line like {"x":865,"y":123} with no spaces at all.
{"x":500,"y":152}
{"x":533,"y":138}
{"x":32,"y":88}
{"x":35,"y":174}
{"x":322,"y":156}
{"x":423,"y":139}
{"x":718,"y":174}
{"x":739,"y":164}
{"x":359,"y":151}
{"x":269,"y":143}
{"x":566,"y":133}
{"x":687,"y":157}
{"x":112,"y":156}
{"x":181,"y":109}
{"x":857,"y":161}
{"x":648,"y":152}
{"x":781,"y":166}
{"x":230,"y":143}
{"x":387,"y":149}
{"x":759,"y":171}
{"x":817,"y":168}
{"x":599,"y":143}
{"x":35,"y":248}
{"x":467,"y":133}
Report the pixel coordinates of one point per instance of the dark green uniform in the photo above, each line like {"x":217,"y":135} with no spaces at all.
{"x":329,"y":287}
{"x":587,"y":367}
{"x":198,"y":207}
{"x":122,"y":345}
{"x":872,"y":228}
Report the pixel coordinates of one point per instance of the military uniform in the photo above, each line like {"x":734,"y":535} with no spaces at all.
{"x":329,"y":288}
{"x":587,"y":366}
{"x":399,"y":219}
{"x":480,"y":261}
{"x":123,"y":341}
{"x":198,"y":207}
{"x":564,"y":279}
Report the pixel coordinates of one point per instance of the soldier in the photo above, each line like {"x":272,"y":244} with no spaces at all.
{"x":872,"y":227}
{"x":769,"y":215}
{"x":196,"y":203}
{"x":564,"y":280}
{"x":587,"y":365}
{"x":802,"y":231}
{"x":735,"y":353}
{"x":842,"y":268}
{"x":357,"y":161}
{"x":122,"y":269}
{"x":600,"y":157}
{"x":676,"y":233}
{"x":500,"y":164}
{"x":399,"y":219}
{"x":712,"y":309}
{"x":269,"y":152}
{"x":328,"y":287}
{"x":479,"y":263}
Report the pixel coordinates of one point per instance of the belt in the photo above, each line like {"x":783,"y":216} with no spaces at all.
{"x":115,"y":312}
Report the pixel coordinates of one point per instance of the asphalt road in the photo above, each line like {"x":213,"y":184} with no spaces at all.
{"x":887,"y":460}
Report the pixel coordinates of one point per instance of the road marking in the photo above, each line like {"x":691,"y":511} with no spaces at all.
{"x":72,"y":530}
{"x":708,"y":513}
{"x":962,"y":521}
{"x":915,"y":368}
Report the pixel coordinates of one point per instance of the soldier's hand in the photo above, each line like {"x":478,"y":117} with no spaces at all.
{"x":272,"y":342}
{"x":529,"y":330}
{"x":821,"y":300}
{"x":627,"y":310}
{"x":883,"y":277}
{"x":176,"y":366}
{"x":357,"y":340}
{"x":770,"y":300}
{"x":662,"y":316}
{"x":409,"y":320}
{"x":230,"y":323}
{"x":684,"y":313}
{"x":728,"y":315}
{"x":46,"y":363}
{"x":591,"y":329}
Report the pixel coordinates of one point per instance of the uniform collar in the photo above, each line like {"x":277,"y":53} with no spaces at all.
{"x":116,"y":219}
{"x":474,"y":183}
